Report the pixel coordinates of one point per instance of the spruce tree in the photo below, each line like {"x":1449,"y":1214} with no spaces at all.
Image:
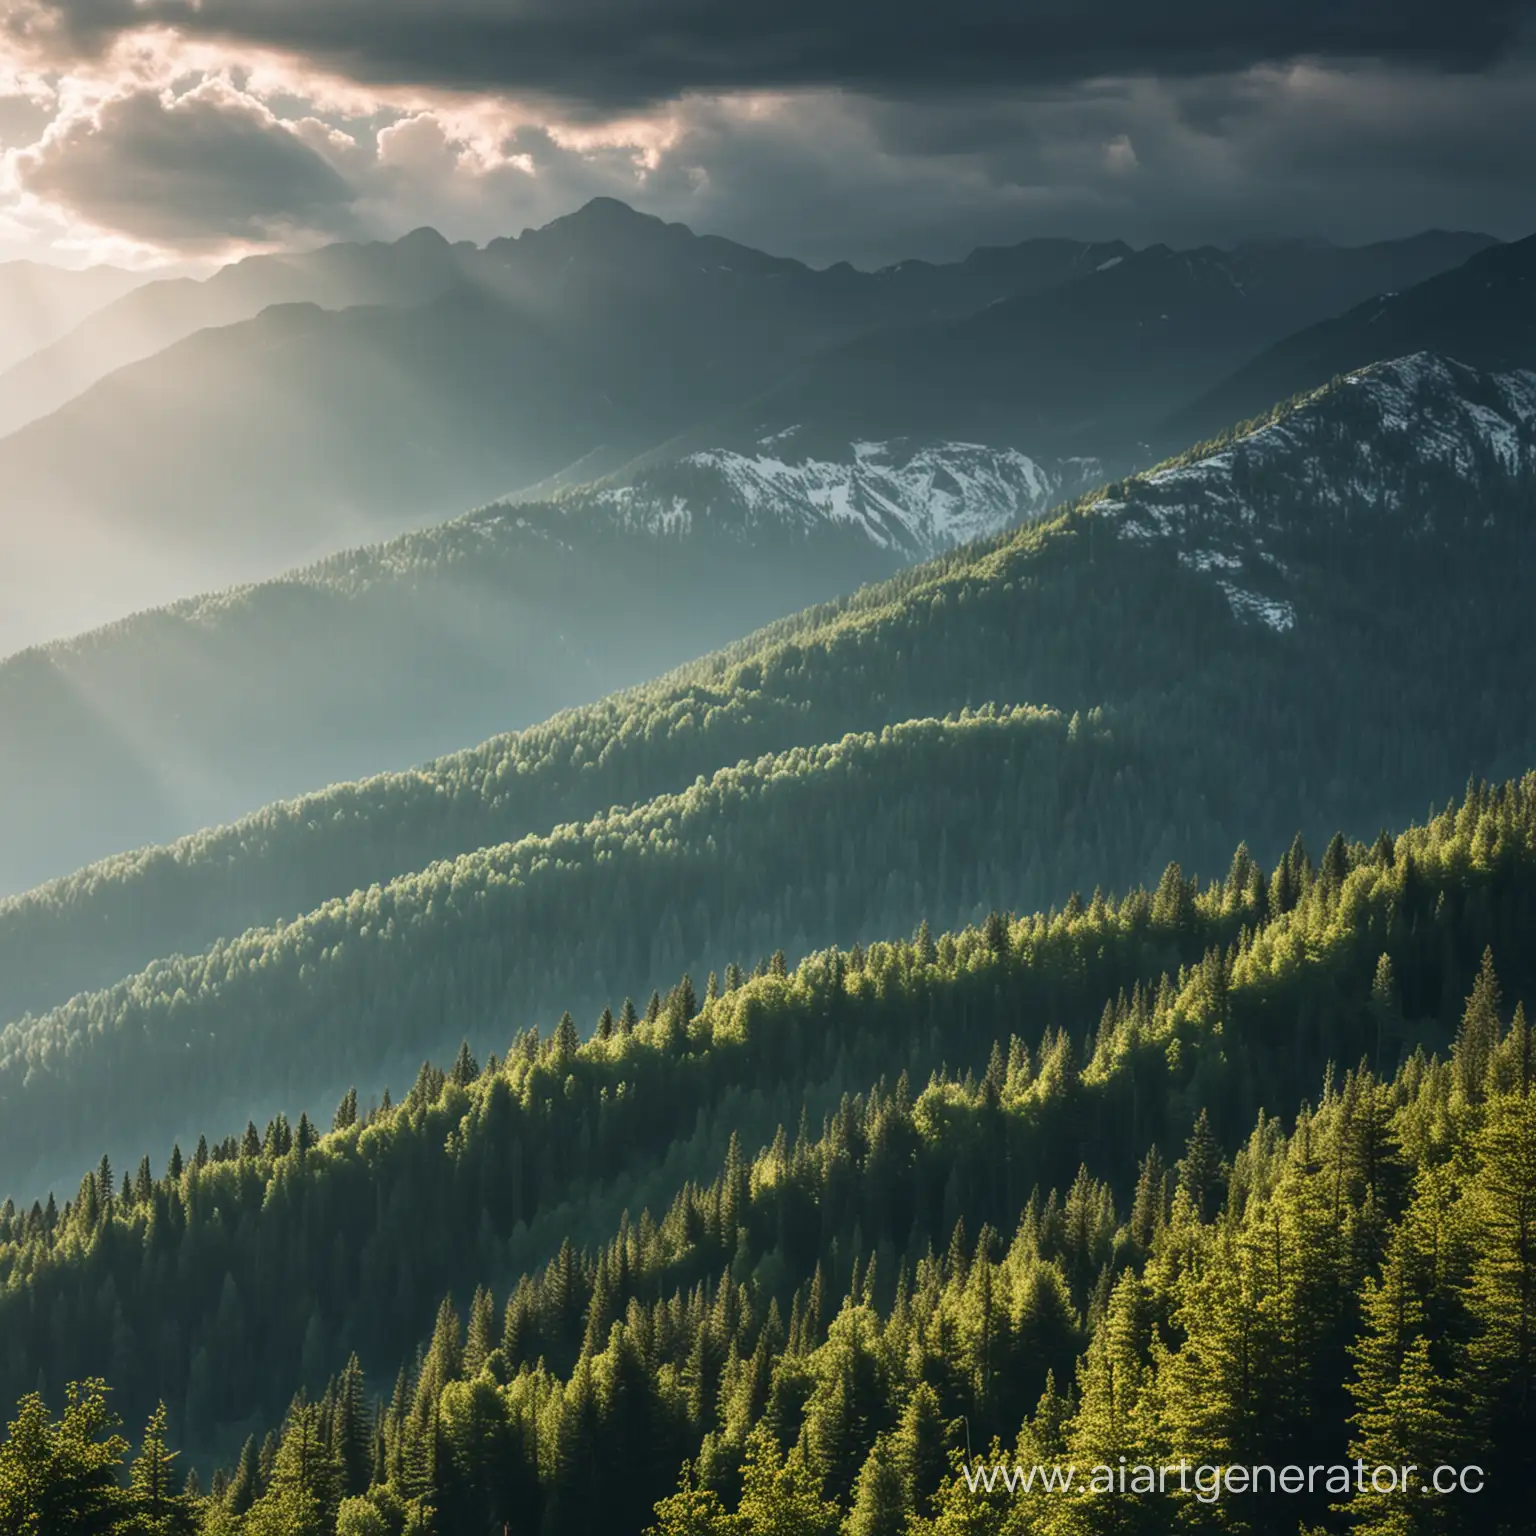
{"x":880,"y":1496}
{"x":1479,"y":1032}
{"x":158,"y":1509}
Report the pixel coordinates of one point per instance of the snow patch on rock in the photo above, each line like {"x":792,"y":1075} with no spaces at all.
{"x":1391,"y":437}
{"x":915,"y":502}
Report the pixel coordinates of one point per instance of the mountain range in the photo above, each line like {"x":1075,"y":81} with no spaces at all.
{"x":939,"y":960}
{"x":604,"y":239}
{"x":1246,"y":575}
{"x":1479,"y":312}
{"x":453,"y":633}
{"x":1091,"y":366}
{"x":39,"y":304}
{"x":194,"y":714}
{"x":454,"y":376}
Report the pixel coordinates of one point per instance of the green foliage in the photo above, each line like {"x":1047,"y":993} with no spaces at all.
{"x":60,"y":1478}
{"x":819,"y":1328}
{"x":1041,"y":615}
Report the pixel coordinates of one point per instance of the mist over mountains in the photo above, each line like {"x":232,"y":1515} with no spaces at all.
{"x":733,"y":873}
{"x":197,"y":713}
{"x":706,"y":437}
{"x":197,"y":435}
{"x":39,"y":304}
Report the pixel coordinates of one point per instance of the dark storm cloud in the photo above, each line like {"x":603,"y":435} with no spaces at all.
{"x":618,"y":53}
{"x":210,"y":166}
{"x":1347,"y":154}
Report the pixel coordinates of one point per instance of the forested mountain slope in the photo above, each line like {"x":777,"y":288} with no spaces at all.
{"x":1415,"y":522}
{"x":842,"y":841}
{"x":190,"y":716}
{"x":1076,"y":1227}
{"x":1284,"y":601}
{"x":289,"y":406}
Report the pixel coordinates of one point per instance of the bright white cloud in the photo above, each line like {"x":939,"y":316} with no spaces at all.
{"x":164,"y":146}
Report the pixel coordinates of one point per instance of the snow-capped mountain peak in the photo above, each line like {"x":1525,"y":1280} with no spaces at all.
{"x":1404,"y":441}
{"x":911,"y":500}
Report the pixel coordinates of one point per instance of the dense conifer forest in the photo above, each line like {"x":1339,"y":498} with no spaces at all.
{"x":1230,"y":1173}
{"x":852,"y":950}
{"x":971,"y":1058}
{"x":1125,"y":709}
{"x":486,"y":624}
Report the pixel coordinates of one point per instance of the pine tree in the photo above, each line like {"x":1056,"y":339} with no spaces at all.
{"x":1149,"y":1209}
{"x":304,"y":1489}
{"x":566,"y":1041}
{"x":481,"y":1338}
{"x":245,"y":1485}
{"x":687,"y":1002}
{"x":1200,"y":1169}
{"x":1112,"y":1422}
{"x":346,"y":1111}
{"x":465,"y":1068}
{"x":880,"y":1497}
{"x":352,"y":1434}
{"x":920,"y":1448}
{"x":1335,"y":865}
{"x":1385,"y":1014}
{"x":1501,"y":1293}
{"x":1414,"y":1423}
{"x":158,"y":1510}
{"x":922,"y":940}
{"x":1479,"y":1033}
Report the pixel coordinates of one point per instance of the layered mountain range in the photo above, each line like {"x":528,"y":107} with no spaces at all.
{"x":196,"y":713}
{"x":605,"y":240}
{"x":1276,"y":582}
{"x":208,"y":433}
{"x":199,"y":711}
{"x":1152,"y":594}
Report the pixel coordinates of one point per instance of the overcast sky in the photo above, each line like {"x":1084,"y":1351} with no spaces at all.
{"x":173,"y":130}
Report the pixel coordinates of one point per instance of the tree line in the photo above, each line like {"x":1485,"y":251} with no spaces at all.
{"x":262,"y":1260}
{"x":830,"y":1336}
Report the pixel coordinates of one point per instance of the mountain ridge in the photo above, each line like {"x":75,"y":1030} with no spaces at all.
{"x":1101,"y":354}
{"x":1480,"y":313}
{"x":486,"y":623}
{"x":1036,"y":616}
